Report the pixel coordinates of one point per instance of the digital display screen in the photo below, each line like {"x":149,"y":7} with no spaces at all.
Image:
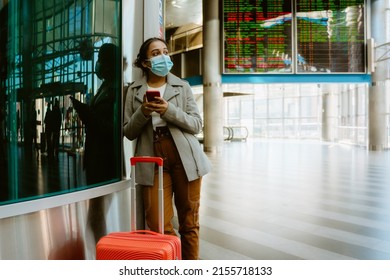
{"x":257,"y":36}
{"x":326,"y":36}
{"x":330,"y":36}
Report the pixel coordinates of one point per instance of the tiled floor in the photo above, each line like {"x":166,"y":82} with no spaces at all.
{"x":296,"y":200}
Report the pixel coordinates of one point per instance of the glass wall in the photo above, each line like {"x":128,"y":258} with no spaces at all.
{"x":49,"y":51}
{"x":353,"y":121}
{"x":295,"y":111}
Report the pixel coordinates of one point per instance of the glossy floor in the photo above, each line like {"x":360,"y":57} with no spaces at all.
{"x":296,"y":200}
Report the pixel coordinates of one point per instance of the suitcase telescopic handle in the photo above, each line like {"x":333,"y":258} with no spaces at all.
{"x":159,"y":162}
{"x":135,"y":160}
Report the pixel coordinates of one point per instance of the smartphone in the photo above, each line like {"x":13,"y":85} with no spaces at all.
{"x":151,"y":95}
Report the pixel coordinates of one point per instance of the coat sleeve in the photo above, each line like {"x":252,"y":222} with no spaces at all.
{"x":134,"y":120}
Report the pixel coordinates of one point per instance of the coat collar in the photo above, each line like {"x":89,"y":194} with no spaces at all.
{"x":171,"y":90}
{"x":104,"y":92}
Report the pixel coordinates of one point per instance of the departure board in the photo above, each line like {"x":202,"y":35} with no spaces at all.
{"x":328,"y":36}
{"x":257,"y":36}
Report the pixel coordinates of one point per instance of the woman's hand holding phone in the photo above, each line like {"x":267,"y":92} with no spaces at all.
{"x":153,"y":102}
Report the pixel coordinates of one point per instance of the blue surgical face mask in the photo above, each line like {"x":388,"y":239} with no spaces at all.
{"x":161,"y":65}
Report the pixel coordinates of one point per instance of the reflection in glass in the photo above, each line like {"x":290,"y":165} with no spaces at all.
{"x":99,"y":119}
{"x":48,"y":51}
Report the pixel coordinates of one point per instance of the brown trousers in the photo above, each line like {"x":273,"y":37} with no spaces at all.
{"x":186,"y":196}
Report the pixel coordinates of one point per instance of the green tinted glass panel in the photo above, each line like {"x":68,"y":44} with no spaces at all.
{"x":50,"y":144}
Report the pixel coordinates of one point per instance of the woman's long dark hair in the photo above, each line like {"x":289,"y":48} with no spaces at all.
{"x":141,"y":57}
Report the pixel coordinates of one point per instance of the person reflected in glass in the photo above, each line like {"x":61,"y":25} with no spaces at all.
{"x":18,"y":125}
{"x":49,"y":131}
{"x":33,"y":126}
{"x":57,"y":121}
{"x":166,"y":128}
{"x":100,"y":154}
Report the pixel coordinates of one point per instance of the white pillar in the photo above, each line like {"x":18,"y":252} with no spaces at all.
{"x":153,"y":19}
{"x":377,"y":127}
{"x":329,"y":113}
{"x":133,"y":35}
{"x":212,"y":80}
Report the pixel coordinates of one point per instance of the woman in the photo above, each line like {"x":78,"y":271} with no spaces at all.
{"x":166,"y":128}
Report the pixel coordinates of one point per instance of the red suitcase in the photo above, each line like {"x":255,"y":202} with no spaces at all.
{"x":140,"y":244}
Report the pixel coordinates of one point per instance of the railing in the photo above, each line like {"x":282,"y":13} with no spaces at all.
{"x":353,"y":135}
{"x":237,"y":133}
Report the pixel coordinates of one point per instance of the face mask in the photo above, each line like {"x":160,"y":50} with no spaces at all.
{"x":161,"y":65}
{"x":98,"y":70}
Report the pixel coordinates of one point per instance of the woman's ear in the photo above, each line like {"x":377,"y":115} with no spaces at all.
{"x":146,"y":64}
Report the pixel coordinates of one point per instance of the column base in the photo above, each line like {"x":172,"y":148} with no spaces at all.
{"x":377,"y":147}
{"x":212,"y":150}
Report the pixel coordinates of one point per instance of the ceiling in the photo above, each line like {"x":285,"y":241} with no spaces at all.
{"x":182,"y":12}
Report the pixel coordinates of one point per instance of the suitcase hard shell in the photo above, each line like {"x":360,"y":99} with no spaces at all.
{"x":140,"y":244}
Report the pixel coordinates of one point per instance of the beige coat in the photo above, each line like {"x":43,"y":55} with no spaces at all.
{"x":183,"y":120}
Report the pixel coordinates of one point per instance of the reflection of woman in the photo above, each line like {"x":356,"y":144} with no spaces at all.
{"x":167,"y":128}
{"x":101,"y":152}
{"x":101,"y":157}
